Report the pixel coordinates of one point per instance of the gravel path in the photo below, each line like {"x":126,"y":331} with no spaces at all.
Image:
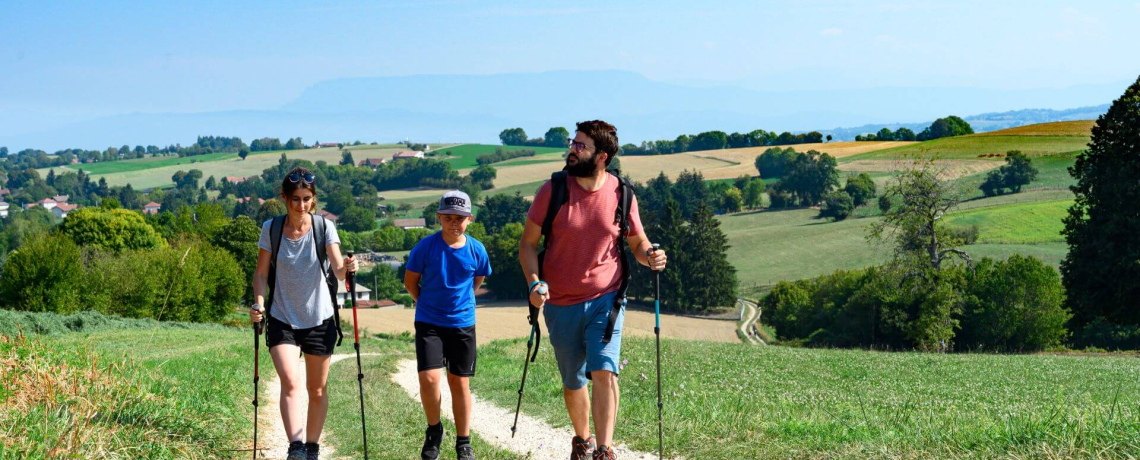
{"x":535,"y":439}
{"x":751,"y":314}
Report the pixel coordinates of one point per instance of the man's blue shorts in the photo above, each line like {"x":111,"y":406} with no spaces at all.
{"x":576,"y":333}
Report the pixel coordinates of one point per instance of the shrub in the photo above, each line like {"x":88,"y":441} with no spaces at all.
{"x":114,"y":229}
{"x":42,"y":276}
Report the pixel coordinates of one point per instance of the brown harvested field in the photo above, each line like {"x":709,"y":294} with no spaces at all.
{"x":504,"y":320}
{"x":1059,"y":128}
{"x":640,"y":168}
{"x":951,"y":169}
{"x":744,"y":160}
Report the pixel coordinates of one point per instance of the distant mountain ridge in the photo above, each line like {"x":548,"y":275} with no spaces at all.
{"x":475,"y":108}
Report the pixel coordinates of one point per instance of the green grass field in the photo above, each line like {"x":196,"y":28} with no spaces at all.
{"x":464,"y":156}
{"x":770,"y":246}
{"x":1019,"y":223}
{"x":733,"y":401}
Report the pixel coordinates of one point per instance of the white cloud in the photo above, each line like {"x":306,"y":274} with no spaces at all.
{"x":831,"y":32}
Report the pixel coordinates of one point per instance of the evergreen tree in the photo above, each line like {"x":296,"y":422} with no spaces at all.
{"x":1101,"y":269}
{"x":712,"y":280}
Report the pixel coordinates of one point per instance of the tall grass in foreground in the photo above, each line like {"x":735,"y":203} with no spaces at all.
{"x":118,"y":394}
{"x":729,"y":401}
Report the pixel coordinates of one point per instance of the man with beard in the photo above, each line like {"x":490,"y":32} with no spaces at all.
{"x":584,"y":269}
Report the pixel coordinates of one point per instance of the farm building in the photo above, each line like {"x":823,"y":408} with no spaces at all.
{"x":60,"y":210}
{"x":407,"y":155}
{"x":151,"y":208}
{"x":328,"y":215}
{"x":372,"y":162}
{"x":3,"y":209}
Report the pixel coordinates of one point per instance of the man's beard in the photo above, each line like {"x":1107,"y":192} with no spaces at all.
{"x":582,"y":168}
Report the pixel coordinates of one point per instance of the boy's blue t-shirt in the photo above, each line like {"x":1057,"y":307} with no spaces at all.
{"x":447,"y":296}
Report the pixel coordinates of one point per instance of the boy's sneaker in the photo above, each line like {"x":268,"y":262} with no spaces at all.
{"x":433,"y":437}
{"x":312,"y":451}
{"x":465,"y":452}
{"x":604,"y":453}
{"x":582,"y":449}
{"x":296,"y":451}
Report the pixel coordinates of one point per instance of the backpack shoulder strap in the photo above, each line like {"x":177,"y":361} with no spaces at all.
{"x":319,"y":238}
{"x":276,"y":228}
{"x":320,"y":227}
{"x":625,"y":201}
{"x":559,"y":195}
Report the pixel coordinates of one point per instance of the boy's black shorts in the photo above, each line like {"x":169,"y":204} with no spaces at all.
{"x":451,"y":347}
{"x":316,"y":341}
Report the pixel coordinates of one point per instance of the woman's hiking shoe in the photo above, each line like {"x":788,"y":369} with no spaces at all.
{"x":312,"y":451}
{"x":465,"y":452}
{"x":433,"y":437}
{"x":604,"y":453}
{"x":296,"y":451}
{"x":582,"y":449}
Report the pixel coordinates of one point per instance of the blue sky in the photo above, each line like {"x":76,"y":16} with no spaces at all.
{"x":63,"y":60}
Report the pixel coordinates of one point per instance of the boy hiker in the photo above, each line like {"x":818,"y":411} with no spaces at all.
{"x":442,"y":274}
{"x":585,"y":267}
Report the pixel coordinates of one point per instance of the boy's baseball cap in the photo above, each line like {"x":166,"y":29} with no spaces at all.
{"x":455,"y":202}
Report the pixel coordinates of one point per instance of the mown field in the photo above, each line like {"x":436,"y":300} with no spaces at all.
{"x":466,"y":156}
{"x":734,"y":401}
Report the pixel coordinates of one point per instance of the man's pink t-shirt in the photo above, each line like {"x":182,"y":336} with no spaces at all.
{"x":583,"y":262}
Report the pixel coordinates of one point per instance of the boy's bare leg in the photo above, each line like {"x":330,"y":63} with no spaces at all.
{"x":578,"y":405}
{"x":429,"y":394}
{"x":460,"y":403}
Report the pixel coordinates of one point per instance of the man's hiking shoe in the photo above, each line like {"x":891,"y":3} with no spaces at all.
{"x":583,"y":449}
{"x":296,"y":451}
{"x":433,"y":437}
{"x":604,"y":453}
{"x":312,"y":451}
{"x":465,"y":452}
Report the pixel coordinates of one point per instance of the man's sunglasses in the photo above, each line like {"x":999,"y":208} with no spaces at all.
{"x":296,"y":177}
{"x":575,"y":146}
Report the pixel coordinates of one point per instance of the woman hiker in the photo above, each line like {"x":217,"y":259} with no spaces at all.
{"x":300,"y":307}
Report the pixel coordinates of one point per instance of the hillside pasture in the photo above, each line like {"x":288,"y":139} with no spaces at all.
{"x":990,"y":147}
{"x":735,"y":401}
{"x":743,"y":161}
{"x":1058,"y":128}
{"x":466,"y":156}
{"x":221,"y":166}
{"x":1018,"y":223}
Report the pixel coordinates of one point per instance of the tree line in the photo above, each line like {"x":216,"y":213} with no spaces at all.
{"x":943,"y":127}
{"x":715,"y":140}
{"x":555,"y":137}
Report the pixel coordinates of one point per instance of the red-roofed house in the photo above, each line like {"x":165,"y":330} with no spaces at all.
{"x":151,"y":208}
{"x":247,"y":199}
{"x":234,"y":179}
{"x":327,"y":215}
{"x":60,"y":210}
{"x":4,"y":209}
{"x":326,"y":144}
{"x":4,"y":191}
{"x":408,"y":154}
{"x":372,"y":162}
{"x":61,"y":198}
{"x":47,"y":203}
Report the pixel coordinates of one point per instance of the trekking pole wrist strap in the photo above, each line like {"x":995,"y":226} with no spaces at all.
{"x":531,"y":288}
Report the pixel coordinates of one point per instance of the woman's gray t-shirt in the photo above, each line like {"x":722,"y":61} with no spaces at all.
{"x":301,"y":298}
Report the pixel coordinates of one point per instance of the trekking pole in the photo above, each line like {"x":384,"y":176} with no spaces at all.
{"x":529,"y":357}
{"x":256,"y":377}
{"x":350,"y":280}
{"x":657,"y":332}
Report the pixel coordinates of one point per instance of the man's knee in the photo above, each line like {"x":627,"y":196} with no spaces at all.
{"x":604,"y":378}
{"x":457,"y":381}
{"x":429,"y":377}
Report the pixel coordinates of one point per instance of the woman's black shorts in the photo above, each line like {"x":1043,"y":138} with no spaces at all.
{"x":453,"y":347}
{"x":316,"y":341}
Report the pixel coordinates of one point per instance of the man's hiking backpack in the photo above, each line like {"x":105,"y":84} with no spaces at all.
{"x":560,"y":195}
{"x":276,"y":229}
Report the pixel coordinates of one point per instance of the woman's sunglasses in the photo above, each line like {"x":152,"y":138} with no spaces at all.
{"x":297,"y":177}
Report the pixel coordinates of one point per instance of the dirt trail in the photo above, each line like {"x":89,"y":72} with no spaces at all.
{"x":273,"y":439}
{"x":535,"y":439}
{"x":750,"y":314}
